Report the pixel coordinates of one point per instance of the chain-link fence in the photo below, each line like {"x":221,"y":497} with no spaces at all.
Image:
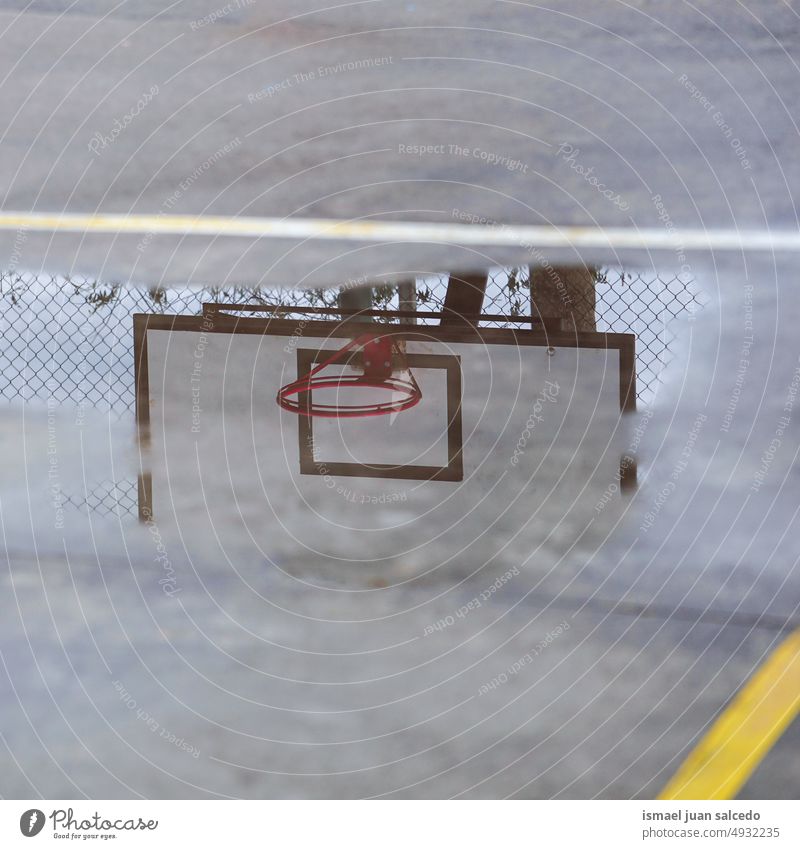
{"x":69,"y":340}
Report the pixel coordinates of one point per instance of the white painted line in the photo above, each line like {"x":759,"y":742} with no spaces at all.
{"x":405,"y":231}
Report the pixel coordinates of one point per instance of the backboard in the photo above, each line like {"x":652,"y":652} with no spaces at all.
{"x":509,"y":418}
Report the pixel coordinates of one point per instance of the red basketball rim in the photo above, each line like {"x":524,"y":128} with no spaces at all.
{"x":288,"y":396}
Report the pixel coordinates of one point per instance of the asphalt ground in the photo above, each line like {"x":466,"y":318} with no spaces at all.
{"x":275,"y":676}
{"x":457,"y":106}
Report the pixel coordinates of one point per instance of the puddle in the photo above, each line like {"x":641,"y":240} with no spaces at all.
{"x":532,"y":473}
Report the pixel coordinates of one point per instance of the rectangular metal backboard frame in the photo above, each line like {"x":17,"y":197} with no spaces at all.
{"x":216,"y":321}
{"x":452,"y":471}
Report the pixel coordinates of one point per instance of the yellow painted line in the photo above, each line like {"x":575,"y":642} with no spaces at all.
{"x":475,"y":233}
{"x":740,"y":738}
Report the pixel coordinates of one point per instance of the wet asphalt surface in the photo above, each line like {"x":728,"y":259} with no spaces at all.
{"x":272,"y":675}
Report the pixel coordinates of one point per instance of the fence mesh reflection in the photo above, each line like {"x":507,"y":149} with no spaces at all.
{"x":69,"y":340}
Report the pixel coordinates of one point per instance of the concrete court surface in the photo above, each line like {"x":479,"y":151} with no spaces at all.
{"x":308,"y":137}
{"x":272,"y":675}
